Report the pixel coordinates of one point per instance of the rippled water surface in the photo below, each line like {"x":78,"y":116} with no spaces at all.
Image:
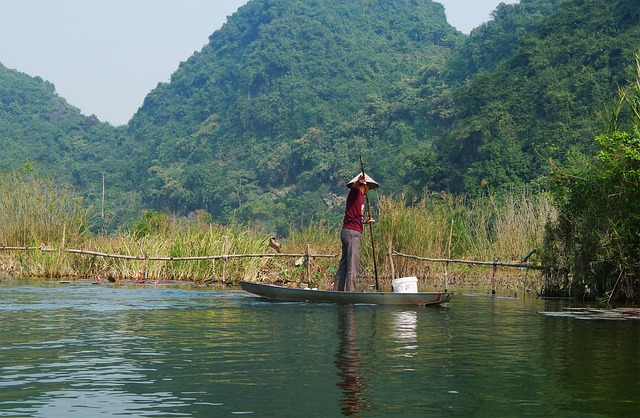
{"x":82,"y":350}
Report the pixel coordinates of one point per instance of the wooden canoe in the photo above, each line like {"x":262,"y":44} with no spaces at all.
{"x":291,"y":294}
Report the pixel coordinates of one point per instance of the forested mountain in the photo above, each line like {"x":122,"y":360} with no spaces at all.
{"x":266,"y":122}
{"x":271,"y":115}
{"x":537,"y":96}
{"x":40,"y":131}
{"x":37,"y":126}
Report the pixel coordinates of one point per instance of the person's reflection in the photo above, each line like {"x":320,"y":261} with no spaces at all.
{"x":348,"y":362}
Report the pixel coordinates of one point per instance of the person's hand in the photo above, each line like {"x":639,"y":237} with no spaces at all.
{"x":362,"y":179}
{"x":369,"y":221}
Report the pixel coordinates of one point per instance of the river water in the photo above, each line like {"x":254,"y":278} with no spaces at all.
{"x":83,"y":350}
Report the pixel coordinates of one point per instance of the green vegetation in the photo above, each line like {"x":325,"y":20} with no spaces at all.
{"x":539,"y":73}
{"x":267,"y":118}
{"x":39,"y":129}
{"x":438,"y":225}
{"x":596,"y":238}
{"x":36,"y":211}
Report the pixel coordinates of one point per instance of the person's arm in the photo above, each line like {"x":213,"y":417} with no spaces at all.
{"x":364,"y":189}
{"x":361,"y":182}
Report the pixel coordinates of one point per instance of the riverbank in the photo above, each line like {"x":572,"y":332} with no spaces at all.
{"x":503,"y":283}
{"x":161,"y":247}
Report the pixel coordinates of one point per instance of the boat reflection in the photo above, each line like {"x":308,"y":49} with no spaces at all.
{"x":349,"y":362}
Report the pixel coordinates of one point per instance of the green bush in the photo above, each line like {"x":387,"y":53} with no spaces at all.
{"x":595,"y":241}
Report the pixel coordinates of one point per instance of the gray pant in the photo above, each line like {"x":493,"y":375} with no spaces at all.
{"x":347,"y":274}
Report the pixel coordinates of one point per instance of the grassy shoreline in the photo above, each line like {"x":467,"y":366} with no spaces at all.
{"x":44,"y":215}
{"x":506,"y":284}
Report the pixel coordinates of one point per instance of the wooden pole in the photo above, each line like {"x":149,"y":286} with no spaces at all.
{"x":614,"y":288}
{"x":391,"y":265}
{"x":493,"y":275}
{"x":446,"y":265}
{"x":373,"y":247}
{"x":482,"y":263}
{"x":224,"y":260}
{"x":308,"y":256}
{"x":102,"y":213}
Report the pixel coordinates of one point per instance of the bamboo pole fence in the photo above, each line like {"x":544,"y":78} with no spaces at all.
{"x":307,"y":255}
{"x":159,"y":258}
{"x":495,"y":262}
{"x":494,"y":265}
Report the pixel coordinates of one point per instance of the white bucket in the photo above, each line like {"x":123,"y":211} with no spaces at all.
{"x":405,"y":285}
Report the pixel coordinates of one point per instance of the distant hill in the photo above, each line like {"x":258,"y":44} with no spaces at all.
{"x":36,"y":125}
{"x":272,"y":114}
{"x":266,"y":123}
{"x":39,"y":130}
{"x":537,"y":78}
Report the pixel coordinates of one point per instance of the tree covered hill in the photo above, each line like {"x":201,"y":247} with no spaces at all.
{"x":36,"y":125}
{"x":266,"y":122}
{"x":40,"y":131}
{"x":537,"y":79}
{"x":271,"y":115}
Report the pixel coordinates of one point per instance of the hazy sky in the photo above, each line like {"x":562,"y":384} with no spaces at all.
{"x":105,"y":56}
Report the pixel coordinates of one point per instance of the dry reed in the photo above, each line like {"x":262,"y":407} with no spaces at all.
{"x":38,"y":213}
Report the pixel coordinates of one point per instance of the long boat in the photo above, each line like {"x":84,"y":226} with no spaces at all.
{"x":292,"y":294}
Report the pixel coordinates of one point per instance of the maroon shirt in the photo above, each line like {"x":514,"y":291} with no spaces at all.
{"x":354,"y":212}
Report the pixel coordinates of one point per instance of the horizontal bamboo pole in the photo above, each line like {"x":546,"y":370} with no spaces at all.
{"x":484,"y":263}
{"x":156,"y":258}
{"x":228,"y":256}
{"x":202,"y":257}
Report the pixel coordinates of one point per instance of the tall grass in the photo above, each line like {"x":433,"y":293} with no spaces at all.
{"x":321,"y":238}
{"x":35,"y":210}
{"x":38,"y":212}
{"x":440,"y":225}
{"x":177,"y":238}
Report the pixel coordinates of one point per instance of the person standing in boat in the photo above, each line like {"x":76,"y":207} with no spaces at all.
{"x":346,"y":277}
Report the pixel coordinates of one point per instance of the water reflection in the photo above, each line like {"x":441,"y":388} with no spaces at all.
{"x":74,"y":355}
{"x":349,"y":363}
{"x":78,"y":351}
{"x":404,"y":331}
